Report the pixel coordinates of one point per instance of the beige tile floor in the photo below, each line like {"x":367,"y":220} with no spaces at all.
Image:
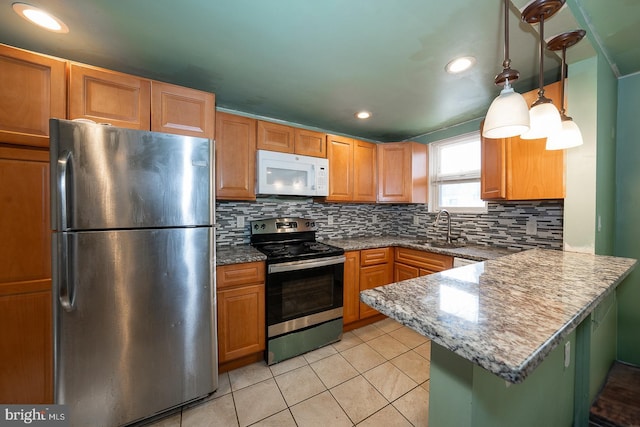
{"x":377,"y":375}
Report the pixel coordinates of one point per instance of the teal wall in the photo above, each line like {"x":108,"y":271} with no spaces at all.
{"x":606,"y":159}
{"x":465,"y":395}
{"x":627,"y":236}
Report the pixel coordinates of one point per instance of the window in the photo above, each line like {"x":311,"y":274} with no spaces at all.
{"x":455,"y":174}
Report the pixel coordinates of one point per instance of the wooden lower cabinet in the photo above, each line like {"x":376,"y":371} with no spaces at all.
{"x":372,"y":277}
{"x":351,"y":299}
{"x":25,"y":277}
{"x":364,"y":269}
{"x":241,"y":313}
{"x":26,"y":347}
{"x":412,"y":263}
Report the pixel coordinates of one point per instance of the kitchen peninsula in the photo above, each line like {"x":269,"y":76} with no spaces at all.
{"x":504,"y":319}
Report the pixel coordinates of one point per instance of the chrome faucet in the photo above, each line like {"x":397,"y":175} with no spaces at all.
{"x":444,"y":211}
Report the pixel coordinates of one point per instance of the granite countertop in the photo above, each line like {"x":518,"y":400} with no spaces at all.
{"x":246,"y":253}
{"x":468,"y":251}
{"x":507,"y":314}
{"x":226,"y":255}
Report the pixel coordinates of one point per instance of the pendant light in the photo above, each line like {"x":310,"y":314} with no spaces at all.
{"x":508,"y":114}
{"x":569,"y":135}
{"x":544,"y":116}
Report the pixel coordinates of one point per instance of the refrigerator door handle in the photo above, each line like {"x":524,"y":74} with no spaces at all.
{"x":66,"y":290}
{"x":64,"y":171}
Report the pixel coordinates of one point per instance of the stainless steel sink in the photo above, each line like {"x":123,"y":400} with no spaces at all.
{"x":439,"y":244}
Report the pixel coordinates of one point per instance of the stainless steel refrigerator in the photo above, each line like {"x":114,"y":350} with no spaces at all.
{"x":133,"y":271}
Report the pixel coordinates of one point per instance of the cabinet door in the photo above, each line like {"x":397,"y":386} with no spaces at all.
{"x":403,"y":272}
{"x":351,"y":299}
{"x":493,"y":176}
{"x":533,"y":171}
{"x":310,"y":143}
{"x":372,"y":277}
{"x":25,"y":277}
{"x":25,"y":234}
{"x":340,"y":155}
{"x":181,"y":110}
{"x":394,"y":172}
{"x":365,"y":183}
{"x":275,"y":137}
{"x":241,"y":321}
{"x":427,"y":260}
{"x":107,"y":96}
{"x":26,"y":348}
{"x":235,"y":157}
{"x":32,"y":91}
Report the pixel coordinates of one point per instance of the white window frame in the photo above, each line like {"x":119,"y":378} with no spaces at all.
{"x":435,"y":180}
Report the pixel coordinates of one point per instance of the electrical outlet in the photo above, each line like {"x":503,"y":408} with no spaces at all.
{"x":567,"y":354}
{"x":532,"y":227}
{"x":374,"y":219}
{"x":416,"y":220}
{"x":239,"y":221}
{"x":330,"y":219}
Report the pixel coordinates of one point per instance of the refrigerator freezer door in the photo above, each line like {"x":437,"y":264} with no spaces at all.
{"x":110,"y":178}
{"x":134,"y":315}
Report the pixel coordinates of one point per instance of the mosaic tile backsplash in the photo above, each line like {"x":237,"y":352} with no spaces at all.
{"x":504,"y":224}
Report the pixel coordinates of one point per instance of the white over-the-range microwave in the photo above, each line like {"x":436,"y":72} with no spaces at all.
{"x":291,"y":174}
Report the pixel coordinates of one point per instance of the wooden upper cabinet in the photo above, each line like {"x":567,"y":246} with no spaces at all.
{"x":340,"y":155}
{"x":181,"y":110}
{"x":32,"y":90}
{"x":310,"y":143}
{"x":106,"y":96}
{"x":235,"y":157}
{"x":275,"y":137}
{"x":352,"y":170}
{"x":365,"y":183}
{"x":287,"y":139}
{"x":402,"y":172}
{"x":521,"y":169}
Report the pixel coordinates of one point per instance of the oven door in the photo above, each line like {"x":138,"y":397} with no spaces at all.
{"x":303,"y":293}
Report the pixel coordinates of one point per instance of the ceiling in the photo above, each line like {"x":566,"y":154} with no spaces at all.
{"x":316,"y":63}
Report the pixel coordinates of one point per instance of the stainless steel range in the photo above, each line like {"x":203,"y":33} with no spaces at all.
{"x":304,"y":287}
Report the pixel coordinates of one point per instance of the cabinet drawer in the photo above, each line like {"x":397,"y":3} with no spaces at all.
{"x":426,"y":260}
{"x":375,"y":256}
{"x":239,"y":274}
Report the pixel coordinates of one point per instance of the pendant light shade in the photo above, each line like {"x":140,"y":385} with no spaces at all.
{"x":569,"y":135}
{"x":544,"y":121}
{"x":508,"y":114}
{"x":544,"y":116}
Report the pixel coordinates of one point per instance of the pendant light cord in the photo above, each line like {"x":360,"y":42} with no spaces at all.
{"x":507,"y":61}
{"x":541,"y":77}
{"x":562,"y":77}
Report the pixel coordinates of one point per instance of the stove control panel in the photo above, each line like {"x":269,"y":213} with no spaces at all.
{"x":282,"y":225}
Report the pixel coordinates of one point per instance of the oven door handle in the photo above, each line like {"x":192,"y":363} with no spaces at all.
{"x":305,"y":265}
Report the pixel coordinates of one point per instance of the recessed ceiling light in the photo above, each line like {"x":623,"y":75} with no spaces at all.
{"x":363,"y":115}
{"x":40,"y":17}
{"x":461,"y":64}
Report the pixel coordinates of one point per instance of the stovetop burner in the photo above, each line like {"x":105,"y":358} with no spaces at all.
{"x":289,"y":239}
